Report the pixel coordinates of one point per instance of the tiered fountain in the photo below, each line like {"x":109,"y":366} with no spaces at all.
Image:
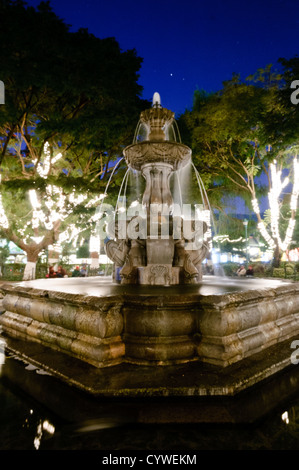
{"x":96,"y":334}
{"x":162,"y":251}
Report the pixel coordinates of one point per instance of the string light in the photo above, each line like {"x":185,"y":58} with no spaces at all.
{"x":58,"y":206}
{"x":3,"y":219}
{"x":225,"y":238}
{"x":96,"y":199}
{"x":255,"y":206}
{"x":274,"y":204}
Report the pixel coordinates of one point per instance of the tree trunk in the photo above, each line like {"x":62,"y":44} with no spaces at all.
{"x":32,"y":250}
{"x":29,"y":271}
{"x":94,"y":260}
{"x":94,"y":249}
{"x":53,"y":258}
{"x":30,"y":268}
{"x":277,"y":257}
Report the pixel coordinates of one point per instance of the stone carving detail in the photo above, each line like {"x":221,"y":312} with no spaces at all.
{"x":173,"y":153}
{"x":117,"y":251}
{"x":160,"y":271}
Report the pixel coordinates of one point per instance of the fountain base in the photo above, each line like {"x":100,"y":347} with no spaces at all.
{"x":187,"y":381}
{"x":106,"y":324}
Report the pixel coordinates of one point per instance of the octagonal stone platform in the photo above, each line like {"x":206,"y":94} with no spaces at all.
{"x":218,"y":322}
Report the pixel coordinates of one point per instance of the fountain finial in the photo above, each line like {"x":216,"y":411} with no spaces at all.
{"x":157,"y":100}
{"x":156,"y":119}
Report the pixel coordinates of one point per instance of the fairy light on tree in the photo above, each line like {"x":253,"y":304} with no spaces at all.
{"x":44,"y":211}
{"x":43,"y":214}
{"x":272,"y":236}
{"x":3,"y":219}
{"x":230,"y":131}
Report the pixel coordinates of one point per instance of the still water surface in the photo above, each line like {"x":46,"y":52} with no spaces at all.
{"x":27,"y":423}
{"x":104,"y":286}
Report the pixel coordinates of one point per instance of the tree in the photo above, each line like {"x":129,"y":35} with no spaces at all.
{"x":37,"y":216}
{"x":67,"y":94}
{"x":73,"y":88}
{"x":230,"y":137}
{"x":281,"y":121}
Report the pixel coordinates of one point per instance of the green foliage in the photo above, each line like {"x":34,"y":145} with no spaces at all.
{"x":4,"y":253}
{"x":13,"y":271}
{"x":282,"y":121}
{"x":288,"y":270}
{"x":230,"y":269}
{"x":72,"y":89}
{"x":230,"y":132}
{"x":222,"y":129}
{"x":83,"y":251}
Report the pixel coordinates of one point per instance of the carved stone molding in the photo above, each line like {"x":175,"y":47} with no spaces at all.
{"x":173,"y":153}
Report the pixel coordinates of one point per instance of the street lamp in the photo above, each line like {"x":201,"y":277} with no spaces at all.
{"x":245,"y":223}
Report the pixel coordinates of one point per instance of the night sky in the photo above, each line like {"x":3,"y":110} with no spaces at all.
{"x":189,"y":44}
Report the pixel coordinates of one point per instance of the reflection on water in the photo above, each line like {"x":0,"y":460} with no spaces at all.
{"x":24,"y":427}
{"x":76,"y":424}
{"x":271,"y":434}
{"x":23,"y":424}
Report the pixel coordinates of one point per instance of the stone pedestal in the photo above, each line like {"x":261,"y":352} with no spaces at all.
{"x":159,"y":275}
{"x":161,"y":332}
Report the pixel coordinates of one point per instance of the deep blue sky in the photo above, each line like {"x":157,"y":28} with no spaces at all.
{"x":189,"y":44}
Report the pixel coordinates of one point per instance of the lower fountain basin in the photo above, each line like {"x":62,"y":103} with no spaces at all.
{"x":219,"y":321}
{"x":104,"y":286}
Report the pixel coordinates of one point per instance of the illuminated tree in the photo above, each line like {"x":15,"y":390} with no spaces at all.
{"x":275,"y":196}
{"x":43,"y":217}
{"x":230,"y":132}
{"x":71,"y":105}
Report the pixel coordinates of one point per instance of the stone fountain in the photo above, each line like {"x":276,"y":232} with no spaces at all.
{"x":210,"y":335}
{"x":159,"y":252}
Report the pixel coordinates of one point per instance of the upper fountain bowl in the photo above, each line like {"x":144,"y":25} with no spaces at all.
{"x":173,"y":153}
{"x":157,"y":139}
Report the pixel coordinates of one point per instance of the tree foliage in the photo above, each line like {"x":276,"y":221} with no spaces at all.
{"x":73,"y":91}
{"x":238,"y":133}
